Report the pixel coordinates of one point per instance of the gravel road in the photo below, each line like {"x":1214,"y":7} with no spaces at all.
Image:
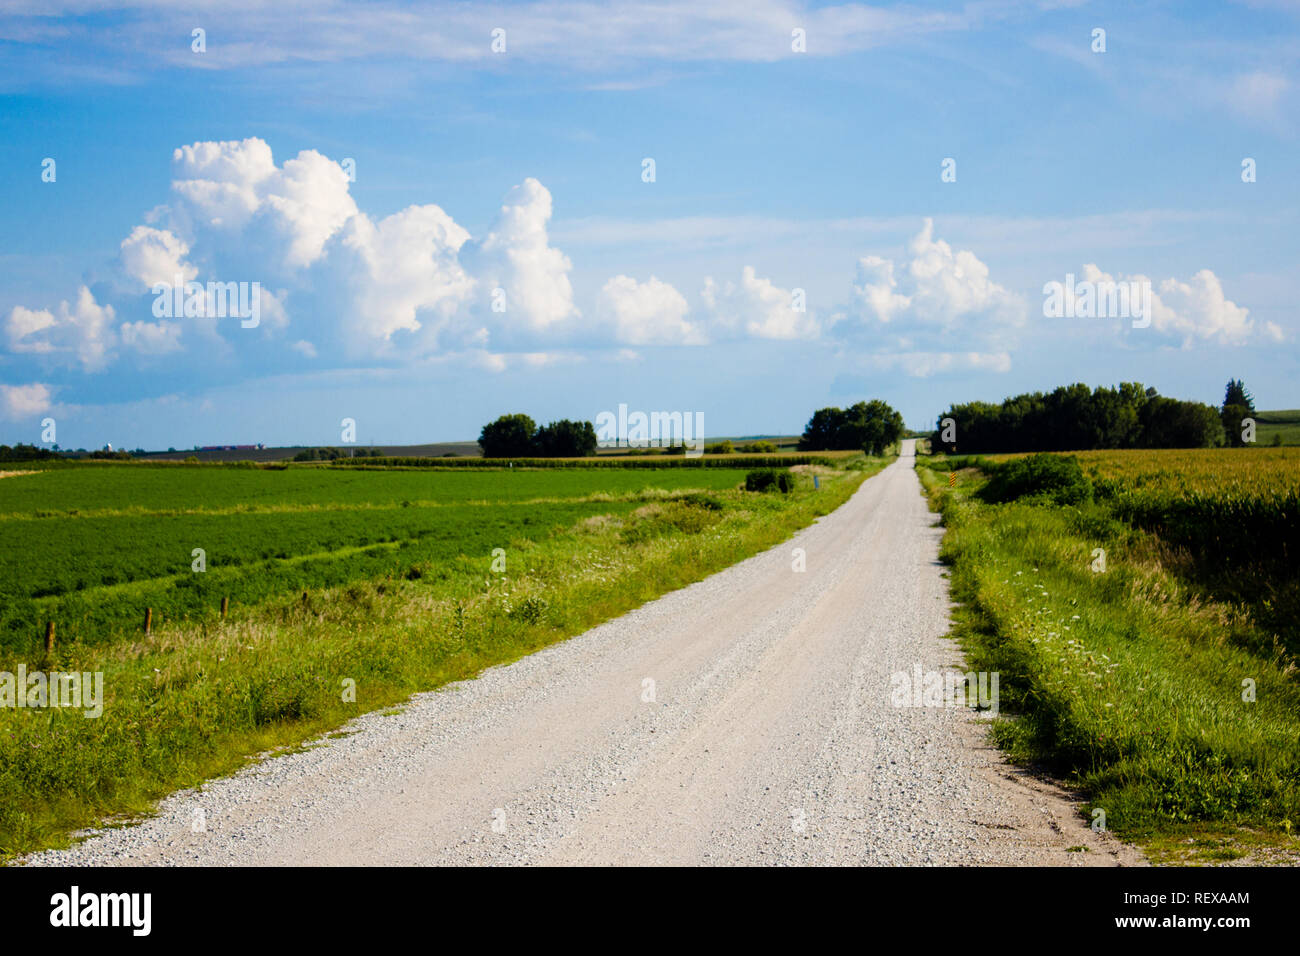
{"x":767,"y":736}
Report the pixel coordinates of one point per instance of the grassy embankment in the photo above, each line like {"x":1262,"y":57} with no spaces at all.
{"x":1164,"y":686}
{"x":1281,"y":425}
{"x":199,"y":697}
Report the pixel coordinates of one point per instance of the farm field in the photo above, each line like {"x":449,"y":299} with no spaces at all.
{"x":1239,"y":504}
{"x":1282,"y":425}
{"x":402,"y":596}
{"x":1231,"y":514}
{"x":90,"y":547}
{"x":1258,"y":473}
{"x":1146,"y":638}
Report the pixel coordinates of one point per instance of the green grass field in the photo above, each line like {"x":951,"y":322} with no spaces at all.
{"x":1161,"y":681}
{"x":90,"y":548}
{"x":1280,"y":425}
{"x":403,"y":596}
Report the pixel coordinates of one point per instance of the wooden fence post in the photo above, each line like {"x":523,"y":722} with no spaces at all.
{"x":49,"y":638}
{"x":148,"y":620}
{"x":225,"y":603}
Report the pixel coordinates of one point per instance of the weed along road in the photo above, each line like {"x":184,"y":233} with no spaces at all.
{"x":769,"y":714}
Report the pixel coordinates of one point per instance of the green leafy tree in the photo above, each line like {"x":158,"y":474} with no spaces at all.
{"x":878,"y":425}
{"x":1233,"y":417}
{"x":1074,"y":418}
{"x":869,"y":426}
{"x":510,"y":436}
{"x":1238,"y":404}
{"x":565,"y":439}
{"x":822,"y":431}
{"x":1169,"y":423}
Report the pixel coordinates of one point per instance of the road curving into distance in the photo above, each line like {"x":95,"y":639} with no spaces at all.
{"x":747,"y":719}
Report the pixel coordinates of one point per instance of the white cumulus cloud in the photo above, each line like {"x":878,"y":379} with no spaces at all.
{"x":935,"y":287}
{"x":80,"y":333}
{"x":646,"y":313}
{"x":516,"y":257}
{"x":154,"y":256}
{"x":24,"y":401}
{"x":1188,"y":312}
{"x":758,"y":308}
{"x":403,"y":273}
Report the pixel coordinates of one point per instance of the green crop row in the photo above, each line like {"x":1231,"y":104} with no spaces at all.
{"x":94,"y":577}
{"x":72,"y":490}
{"x":603,"y":462}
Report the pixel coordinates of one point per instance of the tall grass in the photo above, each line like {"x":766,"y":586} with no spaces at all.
{"x":1124,"y":680}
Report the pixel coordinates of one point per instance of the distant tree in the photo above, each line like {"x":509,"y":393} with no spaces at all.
{"x":21,"y":452}
{"x":510,"y":436}
{"x":1169,"y":423}
{"x":876,"y":424}
{"x":868,"y":426}
{"x":564,"y":439}
{"x":822,"y":431}
{"x":1233,"y":418}
{"x":330,"y":454}
{"x":1236,"y":394}
{"x":1238,"y":405}
{"x":1074,"y":418}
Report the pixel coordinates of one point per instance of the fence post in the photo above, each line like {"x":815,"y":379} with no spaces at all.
{"x":225,"y":603}
{"x":148,"y":620}
{"x":49,"y":638}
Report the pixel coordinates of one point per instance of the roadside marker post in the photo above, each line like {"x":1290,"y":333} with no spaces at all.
{"x":952,"y":479}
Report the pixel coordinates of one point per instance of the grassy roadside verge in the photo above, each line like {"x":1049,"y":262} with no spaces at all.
{"x":1124,"y":682}
{"x":193,"y":701}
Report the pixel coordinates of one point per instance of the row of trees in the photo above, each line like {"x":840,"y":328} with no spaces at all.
{"x":867,"y":426}
{"x":330,"y":453}
{"x":21,"y":452}
{"x":1075,"y":418}
{"x":517,"y":436}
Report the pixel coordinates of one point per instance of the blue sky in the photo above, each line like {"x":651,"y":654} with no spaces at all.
{"x":780,"y":176}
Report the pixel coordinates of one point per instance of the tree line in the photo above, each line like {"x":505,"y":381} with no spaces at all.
{"x":330,"y":453}
{"x":1078,"y":418}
